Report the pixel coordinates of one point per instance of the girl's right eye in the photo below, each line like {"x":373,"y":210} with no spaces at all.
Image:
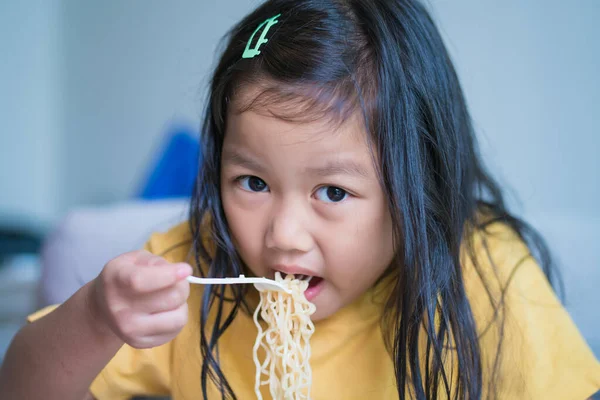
{"x":253,"y":184}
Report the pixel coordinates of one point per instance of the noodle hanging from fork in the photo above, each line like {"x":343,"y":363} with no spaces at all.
{"x":286,"y":367}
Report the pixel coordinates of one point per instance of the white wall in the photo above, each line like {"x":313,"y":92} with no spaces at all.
{"x":529,"y":69}
{"x":133,"y":68}
{"x":89,"y":88}
{"x":30,"y":108}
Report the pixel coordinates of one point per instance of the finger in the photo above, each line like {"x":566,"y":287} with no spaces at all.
{"x":146,"y":279}
{"x":134,"y":256}
{"x":140,"y":257}
{"x":163,"y":300}
{"x":148,"y":342}
{"x":166,"y":322}
{"x":145,"y":258}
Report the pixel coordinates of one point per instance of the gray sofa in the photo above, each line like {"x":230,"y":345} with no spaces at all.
{"x":87,"y":238}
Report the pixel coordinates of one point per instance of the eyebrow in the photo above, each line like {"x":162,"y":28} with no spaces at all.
{"x":340,"y":167}
{"x":241,"y":160}
{"x":331,"y":168}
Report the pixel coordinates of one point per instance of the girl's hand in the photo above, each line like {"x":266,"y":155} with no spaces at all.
{"x":142,"y":298}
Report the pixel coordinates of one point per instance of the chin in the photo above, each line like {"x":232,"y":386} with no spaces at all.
{"x":326,"y":307}
{"x":318,"y":316}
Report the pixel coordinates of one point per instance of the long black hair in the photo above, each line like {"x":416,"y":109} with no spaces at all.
{"x":385,"y":59}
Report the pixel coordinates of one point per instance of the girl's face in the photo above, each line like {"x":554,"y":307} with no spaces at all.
{"x":304,"y":199}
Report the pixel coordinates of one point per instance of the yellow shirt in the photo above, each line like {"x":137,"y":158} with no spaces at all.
{"x":543,"y":354}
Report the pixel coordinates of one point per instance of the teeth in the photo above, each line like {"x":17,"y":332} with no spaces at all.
{"x":300,"y":277}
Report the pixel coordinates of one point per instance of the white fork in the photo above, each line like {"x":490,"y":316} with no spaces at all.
{"x":262,"y":284}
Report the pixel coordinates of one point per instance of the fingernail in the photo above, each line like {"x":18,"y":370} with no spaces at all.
{"x":184,"y":271}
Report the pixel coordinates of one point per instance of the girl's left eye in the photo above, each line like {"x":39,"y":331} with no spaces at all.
{"x":331,"y":194}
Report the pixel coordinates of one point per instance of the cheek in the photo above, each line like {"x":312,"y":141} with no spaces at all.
{"x":245,"y":227}
{"x":364,"y":250}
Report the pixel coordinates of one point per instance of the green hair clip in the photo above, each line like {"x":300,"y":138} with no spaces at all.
{"x":267,"y":24}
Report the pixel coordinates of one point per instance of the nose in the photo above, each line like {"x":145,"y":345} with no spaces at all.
{"x":288,"y":229}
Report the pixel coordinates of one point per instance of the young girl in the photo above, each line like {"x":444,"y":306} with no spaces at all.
{"x":337,"y":144}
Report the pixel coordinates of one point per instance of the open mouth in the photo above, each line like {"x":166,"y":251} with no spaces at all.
{"x":312,"y":280}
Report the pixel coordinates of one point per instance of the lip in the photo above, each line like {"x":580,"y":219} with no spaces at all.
{"x":313,"y":291}
{"x":294,"y":270}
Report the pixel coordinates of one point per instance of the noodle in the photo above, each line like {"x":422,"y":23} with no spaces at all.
{"x":286,"y":367}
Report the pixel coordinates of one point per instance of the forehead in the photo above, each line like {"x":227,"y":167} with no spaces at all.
{"x":306,"y":113}
{"x":262,"y":132}
{"x":288,"y":150}
{"x":296,"y":102}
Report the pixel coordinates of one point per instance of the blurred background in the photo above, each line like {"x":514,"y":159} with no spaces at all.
{"x":100,"y":105}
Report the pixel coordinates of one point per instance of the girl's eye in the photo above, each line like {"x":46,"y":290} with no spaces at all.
{"x":331,"y":194}
{"x":253,"y":184}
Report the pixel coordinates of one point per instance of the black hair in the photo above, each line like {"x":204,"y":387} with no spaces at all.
{"x":385,"y":59}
